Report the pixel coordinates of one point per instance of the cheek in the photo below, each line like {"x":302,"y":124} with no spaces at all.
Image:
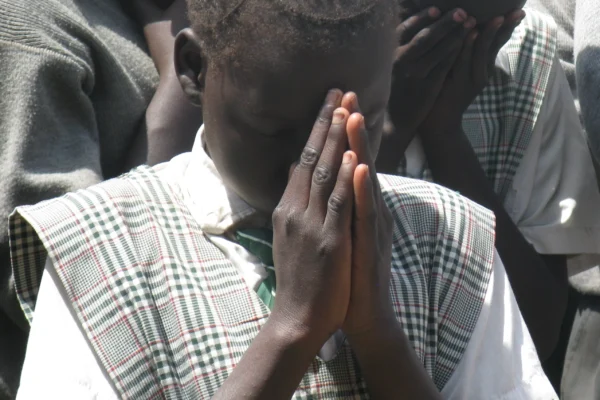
{"x":256,"y":169}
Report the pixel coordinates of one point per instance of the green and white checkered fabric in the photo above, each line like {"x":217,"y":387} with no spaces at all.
{"x":500,"y":122}
{"x":168,"y":316}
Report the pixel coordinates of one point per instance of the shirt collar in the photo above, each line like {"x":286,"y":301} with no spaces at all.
{"x":215,"y":207}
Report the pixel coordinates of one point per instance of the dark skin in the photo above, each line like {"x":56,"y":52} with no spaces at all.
{"x":538,"y":281}
{"x":259,"y":123}
{"x":172,"y":120}
{"x":482,"y":10}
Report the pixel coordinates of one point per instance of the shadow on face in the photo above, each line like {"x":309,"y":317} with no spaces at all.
{"x":259,"y":117}
{"x":482,"y":10}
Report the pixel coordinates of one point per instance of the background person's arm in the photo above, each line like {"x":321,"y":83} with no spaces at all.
{"x":587,"y":61}
{"x":539,"y":282}
{"x":171,"y":121}
{"x":49,"y":142}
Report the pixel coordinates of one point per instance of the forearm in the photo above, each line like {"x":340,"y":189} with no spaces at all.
{"x":394,"y":143}
{"x":272,"y":367}
{"x":170,"y":127}
{"x":390,"y":366}
{"x":540,"y":287}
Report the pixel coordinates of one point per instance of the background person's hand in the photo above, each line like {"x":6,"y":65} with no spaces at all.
{"x":428,"y":45}
{"x":470,"y":73}
{"x":312,"y":241}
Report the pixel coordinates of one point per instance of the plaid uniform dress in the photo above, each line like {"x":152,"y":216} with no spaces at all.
{"x":168,"y":316}
{"x":500,"y":122}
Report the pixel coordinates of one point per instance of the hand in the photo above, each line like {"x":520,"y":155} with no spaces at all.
{"x":470,"y":73}
{"x":312,"y":242}
{"x":429,"y":44}
{"x":428,"y":47}
{"x":370,"y":305}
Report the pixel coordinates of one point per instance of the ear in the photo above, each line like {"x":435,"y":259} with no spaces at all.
{"x":190,"y":65}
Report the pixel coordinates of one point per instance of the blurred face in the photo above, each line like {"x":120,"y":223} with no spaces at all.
{"x":482,"y":10}
{"x":258,"y":120}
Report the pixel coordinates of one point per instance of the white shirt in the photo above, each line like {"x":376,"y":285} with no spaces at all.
{"x":500,"y":361}
{"x":554,"y":199}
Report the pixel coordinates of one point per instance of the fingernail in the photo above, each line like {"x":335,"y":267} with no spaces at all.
{"x":338,"y":116}
{"x":498,"y":22}
{"x":460,"y":16}
{"x":347,"y":157}
{"x":334,"y":94}
{"x":434,"y":12}
{"x":354,"y":100}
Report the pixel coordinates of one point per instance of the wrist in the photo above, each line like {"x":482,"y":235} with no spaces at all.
{"x":371,"y":341}
{"x":286,"y":332}
{"x":379,"y":327}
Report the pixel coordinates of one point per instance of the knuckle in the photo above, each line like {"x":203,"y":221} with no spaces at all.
{"x":421,"y":38}
{"x":336,"y":204}
{"x":278,"y":214}
{"x":322,"y":175}
{"x":288,"y":219}
{"x":309,"y":157}
{"x":326,"y":246}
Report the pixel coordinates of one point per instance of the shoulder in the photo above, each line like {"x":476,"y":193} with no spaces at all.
{"x":130,"y":200}
{"x":419,"y":201}
{"x":62,"y":28}
{"x":532,"y":46}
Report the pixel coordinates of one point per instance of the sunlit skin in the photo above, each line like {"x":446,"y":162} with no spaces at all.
{"x":256,"y":131}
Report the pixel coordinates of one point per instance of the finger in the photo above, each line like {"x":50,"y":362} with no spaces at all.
{"x":415,"y":23}
{"x":358,"y":139}
{"x":341,"y":201}
{"x":350,"y":103}
{"x":511,"y":21}
{"x":365,"y":206}
{"x":445,"y":52}
{"x":298,"y":188}
{"x":326,"y":171}
{"x":428,"y":37}
{"x":292,"y":169}
{"x":482,"y":51}
{"x":462,"y":67}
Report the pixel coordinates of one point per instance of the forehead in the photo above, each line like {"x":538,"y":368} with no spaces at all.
{"x":293,"y":85}
{"x":482,"y":10}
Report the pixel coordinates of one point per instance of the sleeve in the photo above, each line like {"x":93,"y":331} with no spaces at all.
{"x":500,"y":361}
{"x":587,"y":57}
{"x":554,"y":197}
{"x":49,"y":140}
{"x":59,"y":363}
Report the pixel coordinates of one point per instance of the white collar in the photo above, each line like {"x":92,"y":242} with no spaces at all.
{"x":214,"y":206}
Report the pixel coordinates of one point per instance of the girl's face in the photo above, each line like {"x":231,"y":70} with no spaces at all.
{"x":257,"y":121}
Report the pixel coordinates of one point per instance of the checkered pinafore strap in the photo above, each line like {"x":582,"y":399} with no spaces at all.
{"x":168,"y":316}
{"x":500,"y":122}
